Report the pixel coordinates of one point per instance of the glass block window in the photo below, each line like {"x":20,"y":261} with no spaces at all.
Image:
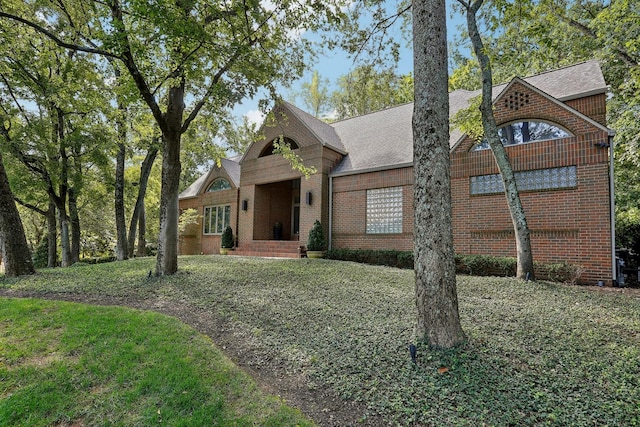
{"x":218,"y":185}
{"x":384,"y":210}
{"x":524,"y":132}
{"x":216,"y":219}
{"x":541,"y":179}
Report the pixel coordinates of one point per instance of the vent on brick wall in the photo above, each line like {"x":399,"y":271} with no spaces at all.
{"x":516,"y":100}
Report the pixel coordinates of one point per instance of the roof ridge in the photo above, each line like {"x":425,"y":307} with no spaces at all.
{"x":371,"y":112}
{"x":557,"y":69}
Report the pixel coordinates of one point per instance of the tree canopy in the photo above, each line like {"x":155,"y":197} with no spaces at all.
{"x":182,"y":57}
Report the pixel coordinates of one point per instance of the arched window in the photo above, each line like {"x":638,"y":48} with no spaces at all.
{"x":268,"y":150}
{"x":219,"y":184}
{"x":525,"y":132}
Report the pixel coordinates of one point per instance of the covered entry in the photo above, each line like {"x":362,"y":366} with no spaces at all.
{"x":277,"y":211}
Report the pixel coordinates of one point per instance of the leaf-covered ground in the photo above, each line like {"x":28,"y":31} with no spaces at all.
{"x":537,"y":353}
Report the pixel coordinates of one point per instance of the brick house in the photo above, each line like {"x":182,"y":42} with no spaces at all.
{"x":552,"y":124}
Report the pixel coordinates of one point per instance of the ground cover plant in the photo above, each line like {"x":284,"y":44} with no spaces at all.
{"x":538,"y":353}
{"x":73,"y":364}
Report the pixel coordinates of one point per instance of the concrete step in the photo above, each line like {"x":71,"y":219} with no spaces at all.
{"x":270,"y":248}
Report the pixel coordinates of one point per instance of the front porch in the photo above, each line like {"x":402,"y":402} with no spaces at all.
{"x":276,"y":214}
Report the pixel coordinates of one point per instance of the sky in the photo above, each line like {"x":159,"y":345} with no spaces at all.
{"x":337,"y":63}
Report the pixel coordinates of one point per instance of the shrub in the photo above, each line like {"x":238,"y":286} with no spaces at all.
{"x":316,"y":238}
{"x":628,"y":234}
{"x":227,"y":238}
{"x":486,"y":265}
{"x":474,"y":265}
{"x":41,"y":254}
{"x":559,"y":272}
{"x":391,"y":258}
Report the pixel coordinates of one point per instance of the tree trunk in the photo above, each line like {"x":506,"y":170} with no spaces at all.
{"x":436,"y":294}
{"x":52,"y":232}
{"x":167,"y":258}
{"x":63,"y":186}
{"x":63,"y":221}
{"x":138,"y":211}
{"x":518,"y":217}
{"x":13,"y":243}
{"x":142,"y":232}
{"x":122,"y":252}
{"x":74,"y":220}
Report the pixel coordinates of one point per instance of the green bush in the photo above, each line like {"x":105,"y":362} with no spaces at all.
{"x":227,"y":238}
{"x":41,"y":254}
{"x":486,"y":265}
{"x":316,"y":240}
{"x":474,"y":265}
{"x":391,"y":258}
{"x":628,"y":234}
{"x":559,"y":272}
{"x":96,"y":260}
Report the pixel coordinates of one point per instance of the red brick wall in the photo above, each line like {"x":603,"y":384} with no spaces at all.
{"x":566,"y":225}
{"x":350,"y":204}
{"x":594,"y":107}
{"x":193,"y":241}
{"x":570,"y":225}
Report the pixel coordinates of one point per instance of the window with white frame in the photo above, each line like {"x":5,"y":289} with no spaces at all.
{"x":384,"y":210}
{"x":216,"y":219}
{"x":540,"y":179}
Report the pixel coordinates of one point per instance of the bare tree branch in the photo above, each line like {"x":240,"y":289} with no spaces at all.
{"x":30,"y":206}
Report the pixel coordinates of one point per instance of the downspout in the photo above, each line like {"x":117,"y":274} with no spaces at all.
{"x":612,"y":214}
{"x":330,"y":211}
{"x":238,"y":208}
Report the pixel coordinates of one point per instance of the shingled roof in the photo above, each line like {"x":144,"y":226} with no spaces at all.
{"x":385,"y":138}
{"x":323,"y":131}
{"x":231,"y":166}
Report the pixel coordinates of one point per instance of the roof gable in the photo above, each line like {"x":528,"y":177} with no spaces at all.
{"x":516,"y":84}
{"x":302,"y":127}
{"x":229,"y":168}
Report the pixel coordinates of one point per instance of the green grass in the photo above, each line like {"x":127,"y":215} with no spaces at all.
{"x":537,"y":354}
{"x":64,"y":363}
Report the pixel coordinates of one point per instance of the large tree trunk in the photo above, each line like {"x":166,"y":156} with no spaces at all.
{"x":63,"y":186}
{"x":74,"y":220}
{"x":63,"y":221}
{"x":52,"y":233}
{"x":13,"y":243}
{"x":518,"y":217}
{"x":138,"y":211}
{"x":167,"y":258}
{"x":122,"y":252}
{"x":436,"y":294}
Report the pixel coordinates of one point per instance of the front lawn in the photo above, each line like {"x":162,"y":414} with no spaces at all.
{"x":537,"y":353}
{"x":65,"y":364}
